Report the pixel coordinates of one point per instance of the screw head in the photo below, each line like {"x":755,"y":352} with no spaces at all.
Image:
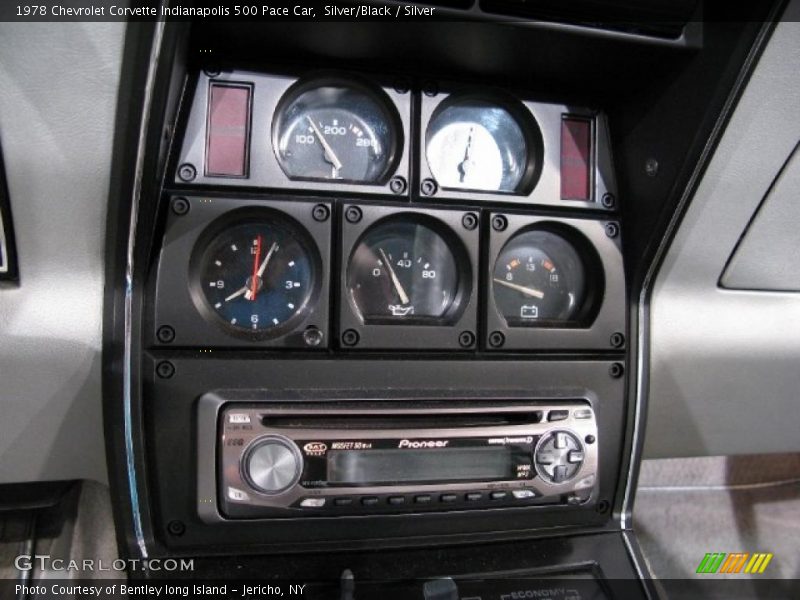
{"x":165,"y":334}
{"x":612,"y":230}
{"x":651,"y":167}
{"x":602,"y":506}
{"x":180,"y":206}
{"x":617,"y":340}
{"x":312,"y":336}
{"x":469,"y":221}
{"x":608,"y":200}
{"x":176,"y":528}
{"x":320,"y":213}
{"x":187,"y":172}
{"x":616,"y":370}
{"x":589,"y":439}
{"x":466,"y":339}
{"x":499,"y":223}
{"x":430,"y":88}
{"x":401,"y":86}
{"x":397,"y":185}
{"x":496,"y":339}
{"x":352,"y":214}
{"x":428,"y":187}
{"x":350,"y":337}
{"x":165,"y":369}
{"x":212,"y":72}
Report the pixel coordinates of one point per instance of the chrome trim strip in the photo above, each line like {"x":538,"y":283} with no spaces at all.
{"x":155,"y":52}
{"x":641,"y":573}
{"x":3,"y":249}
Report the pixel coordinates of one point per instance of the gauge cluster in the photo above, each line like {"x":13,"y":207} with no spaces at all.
{"x":334,"y":212}
{"x":259,"y":272}
{"x":348,"y":134}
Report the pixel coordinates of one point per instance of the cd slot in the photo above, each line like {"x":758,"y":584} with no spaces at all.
{"x":394,"y":421}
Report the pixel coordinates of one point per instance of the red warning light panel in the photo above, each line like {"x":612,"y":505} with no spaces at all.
{"x":576,"y":158}
{"x":228,"y":130}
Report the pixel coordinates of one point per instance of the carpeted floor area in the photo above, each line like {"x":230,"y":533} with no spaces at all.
{"x":688,"y":507}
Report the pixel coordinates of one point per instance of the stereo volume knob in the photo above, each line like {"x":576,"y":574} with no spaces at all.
{"x":273,"y":464}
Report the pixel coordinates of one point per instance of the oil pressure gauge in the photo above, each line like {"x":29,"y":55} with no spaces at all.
{"x":404,"y":270}
{"x":336,"y":131}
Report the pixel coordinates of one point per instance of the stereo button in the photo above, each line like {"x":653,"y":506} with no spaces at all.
{"x":422,"y":499}
{"x":369,"y":500}
{"x":396,"y":500}
{"x":449,"y":498}
{"x":557,"y":415}
{"x":576,"y":456}
{"x":523,"y":494}
{"x":313,"y":503}
{"x":343,"y":501}
{"x":474,"y":496}
{"x":498,"y":495}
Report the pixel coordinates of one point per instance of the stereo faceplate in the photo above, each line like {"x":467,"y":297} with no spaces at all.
{"x":328,"y":460}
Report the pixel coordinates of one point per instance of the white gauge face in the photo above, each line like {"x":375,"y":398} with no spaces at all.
{"x":476,"y":145}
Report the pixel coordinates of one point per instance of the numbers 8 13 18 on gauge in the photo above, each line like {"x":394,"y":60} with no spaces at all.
{"x":257,"y":277}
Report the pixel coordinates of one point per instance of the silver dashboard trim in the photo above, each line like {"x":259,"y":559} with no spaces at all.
{"x":3,"y":248}
{"x":136,"y":516}
{"x":655,"y":265}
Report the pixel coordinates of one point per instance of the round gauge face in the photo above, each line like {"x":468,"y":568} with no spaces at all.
{"x":403,"y":271}
{"x":477,"y":145}
{"x":539,"y":279}
{"x":257,"y":278}
{"x":335,"y":133}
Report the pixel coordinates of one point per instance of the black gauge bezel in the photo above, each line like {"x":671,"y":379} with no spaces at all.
{"x":594,"y":277}
{"x":180,"y":304}
{"x":457,"y":250}
{"x":394,"y":334}
{"x":531,"y":131}
{"x":252,"y":216}
{"x":603,"y":314}
{"x":382,"y":100}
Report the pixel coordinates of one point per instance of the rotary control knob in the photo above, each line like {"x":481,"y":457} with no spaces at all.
{"x":558,"y":456}
{"x":272,"y":465}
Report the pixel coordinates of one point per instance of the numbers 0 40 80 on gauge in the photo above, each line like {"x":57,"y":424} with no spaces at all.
{"x":404,"y":271}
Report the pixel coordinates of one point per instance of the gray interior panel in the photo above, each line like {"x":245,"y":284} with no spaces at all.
{"x":58,"y":95}
{"x":720,"y":358}
{"x":766,"y":258}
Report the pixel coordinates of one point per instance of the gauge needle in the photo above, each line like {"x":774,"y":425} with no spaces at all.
{"x":520,"y":288}
{"x":250,"y":294}
{"x":329,"y":153}
{"x":254,"y":279}
{"x":404,"y":299}
{"x":462,"y":166}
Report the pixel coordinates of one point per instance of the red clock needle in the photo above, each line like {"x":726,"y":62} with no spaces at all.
{"x":255,"y":278}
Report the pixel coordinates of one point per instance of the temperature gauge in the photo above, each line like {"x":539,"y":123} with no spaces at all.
{"x":335,"y":131}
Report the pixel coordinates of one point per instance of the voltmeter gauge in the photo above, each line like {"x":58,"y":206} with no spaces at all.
{"x":403,"y":270}
{"x":539,"y":279}
{"x":256,"y":278}
{"x":337,"y":131}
